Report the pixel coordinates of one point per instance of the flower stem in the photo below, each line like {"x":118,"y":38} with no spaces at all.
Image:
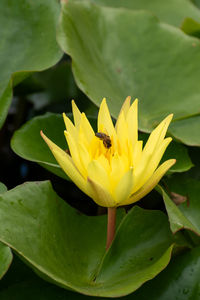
{"x":111,"y":226}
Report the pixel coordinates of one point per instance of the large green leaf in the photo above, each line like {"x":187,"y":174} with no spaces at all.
{"x":128,"y":52}
{"x":187,"y":130}
{"x":5,"y":252}
{"x":28,"y":42}
{"x":172,"y":11}
{"x":35,"y":149}
{"x":5,"y":259}
{"x":68,"y":248}
{"x":179,"y":281}
{"x":185,"y":215}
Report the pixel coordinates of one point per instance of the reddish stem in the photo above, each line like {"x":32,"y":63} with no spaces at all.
{"x":111,"y":226}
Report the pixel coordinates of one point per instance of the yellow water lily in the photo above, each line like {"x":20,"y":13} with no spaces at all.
{"x":112,"y":166}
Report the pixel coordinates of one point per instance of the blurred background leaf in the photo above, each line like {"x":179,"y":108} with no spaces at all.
{"x":158,"y":63}
{"x":172,"y":12}
{"x":28,"y":43}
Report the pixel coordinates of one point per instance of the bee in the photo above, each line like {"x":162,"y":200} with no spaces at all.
{"x":105,"y":138}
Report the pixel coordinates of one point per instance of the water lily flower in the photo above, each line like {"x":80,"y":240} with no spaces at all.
{"x":112,"y":166}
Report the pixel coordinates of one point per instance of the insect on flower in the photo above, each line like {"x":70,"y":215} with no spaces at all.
{"x":105,"y":138}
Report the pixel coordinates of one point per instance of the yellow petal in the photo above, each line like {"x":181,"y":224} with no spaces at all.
{"x":122,"y":134}
{"x":151,"y":165}
{"x":76,"y":114}
{"x":157,"y":135}
{"x":117,"y":170}
{"x":86,"y":128}
{"x":104,"y":119}
{"x":104,"y":163}
{"x":84,"y":157}
{"x":156,"y":157}
{"x":124,"y":109}
{"x":132,"y":121}
{"x":74,"y":151}
{"x":66,"y":163}
{"x":137,"y":154}
{"x":151,"y":183}
{"x":70,"y":126}
{"x":99,"y":194}
{"x":97,"y":173}
{"x":124,"y":187}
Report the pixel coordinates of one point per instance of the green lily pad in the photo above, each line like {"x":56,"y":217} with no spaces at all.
{"x":153,"y":61}
{"x":3,"y":188}
{"x":172,"y":11}
{"x":68,"y":248}
{"x":191,"y":27}
{"x":187,"y":130}
{"x":180,"y":280}
{"x":185,"y":215}
{"x":34,"y":148}
{"x":28,"y":43}
{"x":5,"y":259}
{"x":5,"y":252}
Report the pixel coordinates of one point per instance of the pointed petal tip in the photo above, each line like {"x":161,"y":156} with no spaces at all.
{"x":74,"y":106}
{"x":64,"y":115}
{"x":168,"y":140}
{"x":127,"y":102}
{"x":169,"y":118}
{"x":45,"y":138}
{"x":103,"y":101}
{"x":170,"y":162}
{"x":135,"y":103}
{"x":173,"y":161}
{"x":128,"y":98}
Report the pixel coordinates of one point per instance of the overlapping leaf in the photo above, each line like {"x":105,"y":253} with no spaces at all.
{"x":179,"y":281}
{"x":69,"y":248}
{"x":185,"y":215}
{"x":5,"y":252}
{"x":27,"y":44}
{"x":128,"y":52}
{"x":172,"y":11}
